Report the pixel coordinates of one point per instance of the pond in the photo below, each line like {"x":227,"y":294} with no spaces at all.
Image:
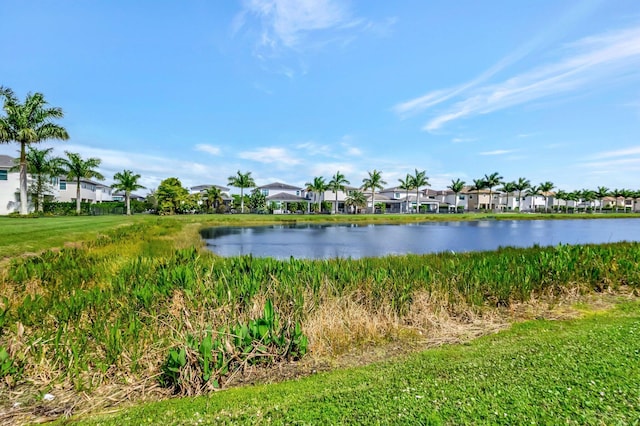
{"x":313,"y":241}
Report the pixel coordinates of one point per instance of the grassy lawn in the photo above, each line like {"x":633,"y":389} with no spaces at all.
{"x":582,"y":371}
{"x":21,"y":236}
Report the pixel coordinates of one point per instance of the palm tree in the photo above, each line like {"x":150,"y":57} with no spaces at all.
{"x":213,"y":197}
{"x":77,"y":168}
{"x":317,"y":187}
{"x":126,"y":182}
{"x":508,"y":188}
{"x":407,"y":185}
{"x":28,"y":123}
{"x":456,"y":186}
{"x":533,"y":192}
{"x":617,"y":194}
{"x":242,"y":181}
{"x":337,"y":183}
{"x":545,"y":188}
{"x":564,"y":196}
{"x":357,"y":199}
{"x":42,"y":167}
{"x":417,"y":180}
{"x":588,"y":195}
{"x":601,"y":193}
{"x":478,"y":185}
{"x":494,"y":179}
{"x":373,"y":182}
{"x":521,"y":185}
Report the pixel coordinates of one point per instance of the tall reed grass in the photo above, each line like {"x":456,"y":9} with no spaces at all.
{"x":112,"y":310}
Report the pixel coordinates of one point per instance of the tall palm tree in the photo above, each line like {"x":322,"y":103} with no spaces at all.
{"x":28,"y":123}
{"x":508,"y":188}
{"x":417,"y":180}
{"x":373,"y":182}
{"x":126,"y":182}
{"x":337,"y":183}
{"x":564,"y":196}
{"x":407,"y":185}
{"x":77,"y":168}
{"x":545,"y":188}
{"x":478,"y":185}
{"x":533,"y":192}
{"x":318,"y":188}
{"x":601,"y":193}
{"x":494,"y":179}
{"x":521,"y":185}
{"x":357,"y":199}
{"x":456,"y":186}
{"x":42,"y":167}
{"x":588,"y":195}
{"x":213,"y":196}
{"x":242,"y":181}
{"x":617,"y":194}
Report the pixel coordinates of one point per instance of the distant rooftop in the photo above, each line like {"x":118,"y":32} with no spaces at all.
{"x":279,"y":185}
{"x":6,"y":161}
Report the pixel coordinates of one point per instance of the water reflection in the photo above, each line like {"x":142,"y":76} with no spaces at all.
{"x":355,"y":241}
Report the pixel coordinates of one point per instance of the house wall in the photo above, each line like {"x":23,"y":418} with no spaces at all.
{"x":87,"y":192}
{"x":9,"y":192}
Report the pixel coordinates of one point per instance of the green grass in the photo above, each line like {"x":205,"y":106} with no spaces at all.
{"x":541,"y":372}
{"x":33,"y":235}
{"x":122,"y":301}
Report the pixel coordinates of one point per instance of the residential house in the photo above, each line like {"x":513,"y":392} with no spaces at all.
{"x":281,"y":196}
{"x":479,"y":200}
{"x":227,"y":200}
{"x":90,"y":191}
{"x":9,"y":186}
{"x":338,"y":197}
{"x":120,"y":196}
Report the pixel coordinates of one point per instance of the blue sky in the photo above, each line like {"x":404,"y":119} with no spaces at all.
{"x":289,"y":90}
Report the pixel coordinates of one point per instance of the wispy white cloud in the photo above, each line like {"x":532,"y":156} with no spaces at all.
{"x":286,"y":22}
{"x":270,"y":155}
{"x":462,"y":140}
{"x":497,"y":152}
{"x":152,"y":168}
{"x":209,"y":149}
{"x":598,"y":58}
{"x":634,"y":150}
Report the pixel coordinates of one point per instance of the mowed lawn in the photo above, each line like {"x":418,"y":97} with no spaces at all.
{"x":584,"y":371}
{"x":20,"y":236}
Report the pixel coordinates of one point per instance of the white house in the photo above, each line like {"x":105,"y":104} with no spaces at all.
{"x":281,"y":196}
{"x":9,"y":186}
{"x":90,"y":191}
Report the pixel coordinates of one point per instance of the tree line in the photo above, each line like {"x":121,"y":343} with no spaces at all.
{"x":33,"y":121}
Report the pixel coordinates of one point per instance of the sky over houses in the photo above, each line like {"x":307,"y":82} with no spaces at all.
{"x":289,"y":90}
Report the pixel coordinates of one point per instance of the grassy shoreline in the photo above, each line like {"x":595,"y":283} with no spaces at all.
{"x":33,"y":235}
{"x":102,"y":316}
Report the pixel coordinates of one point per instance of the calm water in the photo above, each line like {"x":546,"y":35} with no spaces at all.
{"x":355,"y":241}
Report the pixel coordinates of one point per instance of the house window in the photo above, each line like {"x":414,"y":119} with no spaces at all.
{"x":396,"y":195}
{"x":265,"y":192}
{"x":460,"y":197}
{"x":63,"y":185}
{"x":54,"y":181}
{"x":298,"y":193}
{"x":4,"y":175}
